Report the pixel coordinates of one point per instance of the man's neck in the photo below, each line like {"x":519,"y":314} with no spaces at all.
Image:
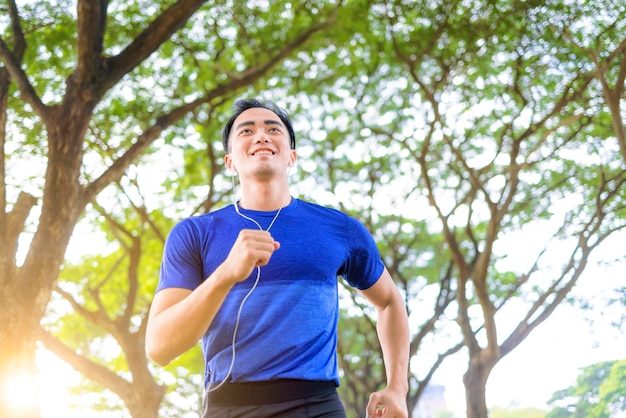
{"x":263,"y":196}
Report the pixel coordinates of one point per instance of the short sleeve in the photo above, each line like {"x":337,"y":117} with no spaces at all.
{"x":181,"y":265}
{"x":364,"y":265}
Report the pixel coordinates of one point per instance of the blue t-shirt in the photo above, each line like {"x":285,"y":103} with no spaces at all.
{"x":288,"y":325}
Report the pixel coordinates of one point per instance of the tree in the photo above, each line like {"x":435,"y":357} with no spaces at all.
{"x":599,"y":392}
{"x":443,"y":128}
{"x":109,"y":295}
{"x":493,"y":123}
{"x":85,"y":106}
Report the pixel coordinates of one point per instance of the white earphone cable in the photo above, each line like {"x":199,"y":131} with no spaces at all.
{"x":256,"y":281}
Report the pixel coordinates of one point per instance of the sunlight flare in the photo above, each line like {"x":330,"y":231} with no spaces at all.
{"x":19,"y":392}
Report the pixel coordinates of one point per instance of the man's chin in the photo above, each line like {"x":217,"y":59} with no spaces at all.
{"x":266,"y":172}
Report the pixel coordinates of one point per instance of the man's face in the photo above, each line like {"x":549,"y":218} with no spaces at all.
{"x":259,"y":145}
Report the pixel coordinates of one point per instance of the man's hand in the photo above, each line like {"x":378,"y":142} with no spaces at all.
{"x":388,"y":404}
{"x":253,"y":248}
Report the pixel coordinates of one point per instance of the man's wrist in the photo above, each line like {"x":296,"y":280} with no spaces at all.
{"x":401,"y":388}
{"x":221,"y":279}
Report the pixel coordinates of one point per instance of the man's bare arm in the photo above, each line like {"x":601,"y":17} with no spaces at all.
{"x":393,"y":334}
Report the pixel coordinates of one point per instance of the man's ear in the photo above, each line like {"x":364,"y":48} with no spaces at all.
{"x":293,"y":159}
{"x":228,"y":162}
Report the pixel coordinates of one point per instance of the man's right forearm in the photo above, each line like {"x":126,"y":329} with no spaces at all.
{"x":179,"y":317}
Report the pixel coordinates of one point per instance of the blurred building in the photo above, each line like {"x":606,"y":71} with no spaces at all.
{"x":432,"y":403}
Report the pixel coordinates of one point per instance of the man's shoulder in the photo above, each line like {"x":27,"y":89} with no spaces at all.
{"x":317,"y":208}
{"x":329,"y":213}
{"x":205,"y":220}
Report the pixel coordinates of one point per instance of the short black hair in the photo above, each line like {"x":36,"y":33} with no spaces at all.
{"x":242,"y":105}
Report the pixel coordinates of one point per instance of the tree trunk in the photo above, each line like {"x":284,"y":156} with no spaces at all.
{"x":25,"y":290}
{"x":475,"y":381}
{"x":19,"y":397}
{"x":146,"y":400}
{"x":144,"y":395}
{"x":23,"y":298}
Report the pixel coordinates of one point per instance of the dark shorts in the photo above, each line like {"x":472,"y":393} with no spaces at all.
{"x":275,"y":399}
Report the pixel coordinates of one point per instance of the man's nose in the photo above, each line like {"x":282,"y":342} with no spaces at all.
{"x":261,"y":136}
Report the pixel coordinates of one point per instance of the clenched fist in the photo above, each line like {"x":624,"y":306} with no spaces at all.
{"x":253,"y":248}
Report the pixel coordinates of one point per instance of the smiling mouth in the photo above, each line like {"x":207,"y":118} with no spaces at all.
{"x":263,"y":152}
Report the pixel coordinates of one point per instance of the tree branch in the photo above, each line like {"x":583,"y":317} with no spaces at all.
{"x":91,"y":25}
{"x":15,"y":225}
{"x":88,"y":368}
{"x":148,"y":41}
{"x":12,"y":62}
{"x":577,"y":262}
{"x":245,"y":78}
